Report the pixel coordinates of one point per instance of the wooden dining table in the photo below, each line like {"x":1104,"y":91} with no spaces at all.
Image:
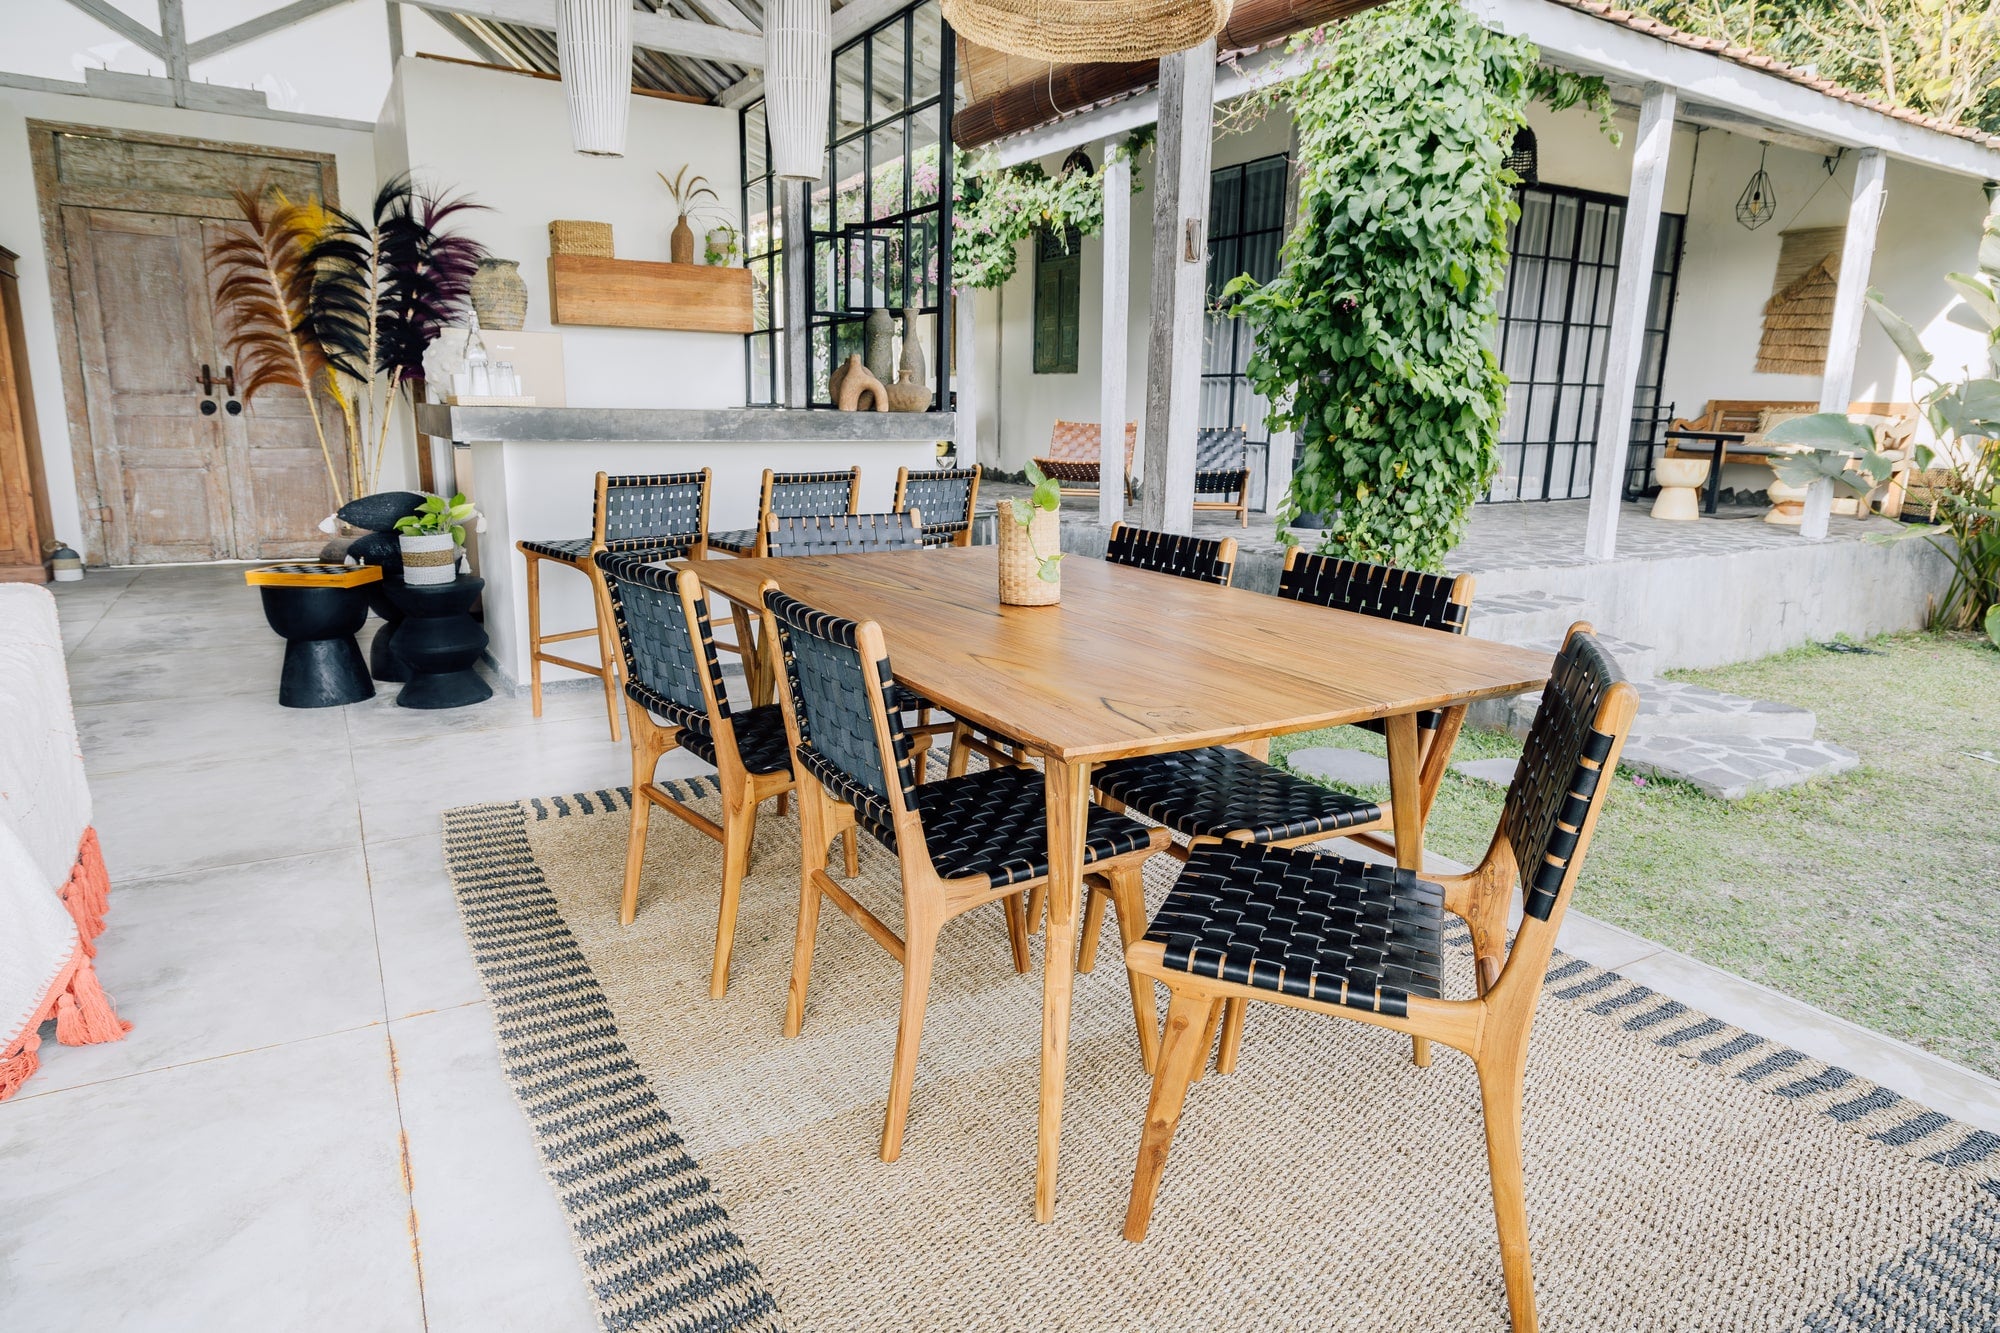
{"x":1133,"y":662}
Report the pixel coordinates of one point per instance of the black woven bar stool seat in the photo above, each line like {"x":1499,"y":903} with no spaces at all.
{"x":760,"y":740}
{"x":1219,"y":791}
{"x":1305,"y":923}
{"x":573,"y":550}
{"x":739,"y":541}
{"x":996,"y":823}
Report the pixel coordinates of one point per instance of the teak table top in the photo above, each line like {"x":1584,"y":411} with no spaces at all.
{"x":1131,"y":661}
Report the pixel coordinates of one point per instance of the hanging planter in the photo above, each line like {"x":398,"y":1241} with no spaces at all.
{"x":1069,"y":32}
{"x":798,"y":79}
{"x":594,"y":46}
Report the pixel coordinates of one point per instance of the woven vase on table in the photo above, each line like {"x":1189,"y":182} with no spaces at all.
{"x":1021,"y":582}
{"x":1075,"y":32}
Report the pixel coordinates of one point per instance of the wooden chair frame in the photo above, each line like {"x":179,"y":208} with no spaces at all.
{"x":741,"y":619}
{"x":741,"y":790}
{"x":962,"y":537}
{"x":606,"y":666}
{"x":1237,"y":479}
{"x":1492,"y":1028}
{"x":929,"y":899}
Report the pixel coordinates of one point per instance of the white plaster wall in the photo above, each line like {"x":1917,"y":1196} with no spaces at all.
{"x":504,"y":139}
{"x":21,"y":232}
{"x":1575,"y":151}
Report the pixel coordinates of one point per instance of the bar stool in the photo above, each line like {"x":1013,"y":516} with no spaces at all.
{"x":792,"y":495}
{"x":664,"y":514}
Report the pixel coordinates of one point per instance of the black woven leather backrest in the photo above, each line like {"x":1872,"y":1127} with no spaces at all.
{"x":1220,"y":447}
{"x":1560,"y":776}
{"x":844,"y":534}
{"x":795,"y":493}
{"x":945,"y":498}
{"x":1374,"y":590}
{"x":831,"y":695}
{"x":1198,"y":558}
{"x":665,"y":656}
{"x":654,"y":509}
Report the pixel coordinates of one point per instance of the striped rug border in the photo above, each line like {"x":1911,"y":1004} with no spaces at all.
{"x":654,"y":1240}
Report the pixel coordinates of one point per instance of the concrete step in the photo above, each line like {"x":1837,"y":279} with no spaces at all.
{"x":1523,"y":617}
{"x":1676,"y":708}
{"x":1732,"y":767}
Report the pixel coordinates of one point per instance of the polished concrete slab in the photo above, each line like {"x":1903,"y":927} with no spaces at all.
{"x":308,"y":1126}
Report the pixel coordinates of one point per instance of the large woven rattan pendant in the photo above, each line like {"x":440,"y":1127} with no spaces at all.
{"x":1074,"y":32}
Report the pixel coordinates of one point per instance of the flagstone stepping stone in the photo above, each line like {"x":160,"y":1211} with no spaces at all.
{"x":1348,"y":768}
{"x":1499,"y":772}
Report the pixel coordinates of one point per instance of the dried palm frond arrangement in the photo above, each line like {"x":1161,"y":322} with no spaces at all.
{"x":313,"y":298}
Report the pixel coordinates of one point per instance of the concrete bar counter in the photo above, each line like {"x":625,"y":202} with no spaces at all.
{"x":532,"y":471}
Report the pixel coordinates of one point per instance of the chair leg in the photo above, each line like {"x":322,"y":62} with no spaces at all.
{"x":739,"y":826}
{"x":1016,"y":905}
{"x":852,"y":844}
{"x":646,"y":752}
{"x":1128,"y":905}
{"x":1208,"y":1038}
{"x":535,"y":633}
{"x":919,"y":948}
{"x":960,"y":751}
{"x":1183,"y":1051}
{"x":607,"y":653}
{"x":1035,"y":899}
{"x":1420,"y":1052}
{"x":812,"y":852}
{"x":1232,"y":1036}
{"x":1500,"y":1080}
{"x":1093,"y":924}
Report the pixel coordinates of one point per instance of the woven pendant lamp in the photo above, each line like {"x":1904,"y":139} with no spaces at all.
{"x":798,"y":83}
{"x":1074,"y":32}
{"x":594,"y":46}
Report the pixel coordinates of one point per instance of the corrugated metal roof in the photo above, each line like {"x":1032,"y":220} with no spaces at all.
{"x":535,"y":48}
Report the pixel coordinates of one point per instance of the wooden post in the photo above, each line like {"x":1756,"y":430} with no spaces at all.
{"x":1180,"y":286}
{"x":1864,"y":214}
{"x":794,"y":201}
{"x":1628,"y":318}
{"x":1112,"y":355}
{"x":965,"y":426}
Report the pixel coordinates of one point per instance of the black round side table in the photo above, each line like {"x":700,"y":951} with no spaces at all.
{"x":439,"y":641}
{"x":316,"y":609}
{"x":383,"y":664}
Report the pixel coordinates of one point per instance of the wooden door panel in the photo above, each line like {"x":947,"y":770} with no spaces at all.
{"x":96,"y":162}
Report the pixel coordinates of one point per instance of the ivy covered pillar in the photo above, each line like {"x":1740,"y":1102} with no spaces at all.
{"x":1117,"y":305}
{"x":1857,"y":254}
{"x":1627,"y":345}
{"x":1180,"y":289}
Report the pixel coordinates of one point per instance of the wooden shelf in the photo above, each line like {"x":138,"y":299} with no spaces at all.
{"x":634,"y":294}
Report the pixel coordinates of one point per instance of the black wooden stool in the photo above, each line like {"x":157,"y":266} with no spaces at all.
{"x":438,"y":642}
{"x":317,"y":609}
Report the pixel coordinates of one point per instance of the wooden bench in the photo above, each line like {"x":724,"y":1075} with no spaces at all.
{"x":1895,"y":427}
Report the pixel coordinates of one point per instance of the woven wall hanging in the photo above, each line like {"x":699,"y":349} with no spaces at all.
{"x":1075,"y":32}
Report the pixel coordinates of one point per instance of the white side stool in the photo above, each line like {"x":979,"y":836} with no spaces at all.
{"x":1680,"y":481}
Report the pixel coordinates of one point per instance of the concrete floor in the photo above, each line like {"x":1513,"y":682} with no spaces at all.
{"x":308,"y":1126}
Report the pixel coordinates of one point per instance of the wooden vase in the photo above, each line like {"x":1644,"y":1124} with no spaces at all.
{"x":1021,"y":582}
{"x":680,"y":245}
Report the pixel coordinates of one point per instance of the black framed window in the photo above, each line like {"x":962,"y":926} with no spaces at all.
{"x":764,"y":254}
{"x":1555,"y":327}
{"x":1058,"y":299}
{"x":881,"y":214}
{"x":1246,"y":219}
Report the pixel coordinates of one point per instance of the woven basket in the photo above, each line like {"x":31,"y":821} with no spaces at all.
{"x":580,"y":238}
{"x":1021,"y":583}
{"x":1066,"y":32}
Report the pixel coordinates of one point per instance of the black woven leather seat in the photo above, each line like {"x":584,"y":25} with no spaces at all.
{"x":760,"y":740}
{"x":945,"y":498}
{"x":1203,"y":559}
{"x":1219,"y":791}
{"x":996,"y":823}
{"x":1305,"y":923}
{"x":789,"y":495}
{"x":737,"y":541}
{"x":571,"y":550}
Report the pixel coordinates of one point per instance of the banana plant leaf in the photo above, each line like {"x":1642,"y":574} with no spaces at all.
{"x":1823,"y":430}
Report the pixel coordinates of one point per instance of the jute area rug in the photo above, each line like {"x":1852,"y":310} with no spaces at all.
{"x":1682,"y":1174}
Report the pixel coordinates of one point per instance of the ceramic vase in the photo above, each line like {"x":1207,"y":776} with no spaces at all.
{"x":500,"y":294}
{"x":429,"y":558}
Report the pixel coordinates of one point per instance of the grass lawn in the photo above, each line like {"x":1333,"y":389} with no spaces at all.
{"x":1874,"y":895}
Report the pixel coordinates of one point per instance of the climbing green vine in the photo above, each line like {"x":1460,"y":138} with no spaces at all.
{"x":1376,"y":338}
{"x":996,"y":208}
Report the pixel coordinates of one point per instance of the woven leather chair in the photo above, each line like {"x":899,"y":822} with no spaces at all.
{"x":1338,"y":937}
{"x":947,"y":497}
{"x":961,"y":842}
{"x":791,"y":495}
{"x":1203,"y":559}
{"x":1222,"y":467}
{"x":671,"y":673}
{"x":662,"y":513}
{"x":1076,"y":450}
{"x":842,"y":534}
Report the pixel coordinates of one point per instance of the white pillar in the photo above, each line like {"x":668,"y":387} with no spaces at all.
{"x":1627,"y":345}
{"x":1857,"y":252}
{"x":794,"y":298}
{"x":1112,"y":356}
{"x":965,"y":379}
{"x":1180,"y":286}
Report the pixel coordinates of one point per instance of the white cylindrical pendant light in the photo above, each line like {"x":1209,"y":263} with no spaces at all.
{"x":594,"y":46}
{"x":798,"y":77}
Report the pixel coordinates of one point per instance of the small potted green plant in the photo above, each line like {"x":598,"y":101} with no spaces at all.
{"x":432,"y":536}
{"x":1030,"y":539}
{"x":722,"y":246}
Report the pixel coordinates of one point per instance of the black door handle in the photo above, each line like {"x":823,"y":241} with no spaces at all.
{"x":207,"y":381}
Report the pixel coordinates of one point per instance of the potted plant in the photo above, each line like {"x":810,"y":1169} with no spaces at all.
{"x":1024,"y":531}
{"x":432,"y":536}
{"x":723,"y":246}
{"x":687,"y":192}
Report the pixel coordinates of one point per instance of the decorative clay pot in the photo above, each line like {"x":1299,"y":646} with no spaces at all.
{"x":680,"y":245}
{"x":429,"y":558}
{"x":499,"y":294}
{"x":1788,"y":503}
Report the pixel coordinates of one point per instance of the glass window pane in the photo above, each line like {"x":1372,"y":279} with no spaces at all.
{"x":850,"y":92}
{"x":885,"y":171}
{"x":888,"y":96}
{"x":924,"y":172}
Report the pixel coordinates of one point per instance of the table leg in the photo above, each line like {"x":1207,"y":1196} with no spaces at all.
{"x":1067,"y":789}
{"x":1406,"y":808}
{"x":1714,"y":481}
{"x":756,"y":676}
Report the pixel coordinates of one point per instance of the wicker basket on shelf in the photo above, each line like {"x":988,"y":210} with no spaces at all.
{"x":1066,"y":32}
{"x":580,"y":238}
{"x":1021,"y":581}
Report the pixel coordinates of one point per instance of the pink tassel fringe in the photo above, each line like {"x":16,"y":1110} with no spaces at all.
{"x":82,"y":1010}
